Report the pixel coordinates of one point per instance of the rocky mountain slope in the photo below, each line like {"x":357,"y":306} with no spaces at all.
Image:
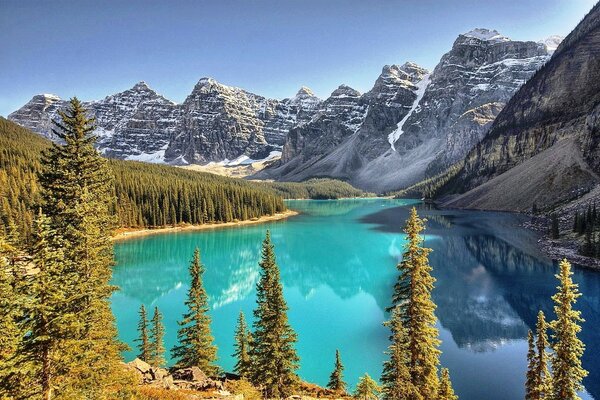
{"x":544,"y":146}
{"x":412,"y":123}
{"x":215,"y":123}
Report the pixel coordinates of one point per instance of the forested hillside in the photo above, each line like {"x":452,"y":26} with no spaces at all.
{"x":147,"y":195}
{"x":317,"y":189}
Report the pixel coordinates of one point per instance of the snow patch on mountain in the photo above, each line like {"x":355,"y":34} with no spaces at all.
{"x":421,"y":87}
{"x":551,"y":42}
{"x":245,"y":160}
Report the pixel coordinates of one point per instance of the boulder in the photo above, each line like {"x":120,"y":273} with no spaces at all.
{"x":158,"y":373}
{"x":140,"y":365}
{"x":191,"y":374}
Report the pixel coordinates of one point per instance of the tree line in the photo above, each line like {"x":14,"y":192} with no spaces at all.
{"x":146,"y":195}
{"x":585,"y":228}
{"x":587,"y":224}
{"x":316,"y":188}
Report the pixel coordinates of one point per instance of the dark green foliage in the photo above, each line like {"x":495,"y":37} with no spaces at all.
{"x":14,"y":379}
{"x":196,"y":346}
{"x":274,"y":358}
{"x":587,"y":223}
{"x":147,"y":195}
{"x":443,"y":182}
{"x":143,"y":339}
{"x":336,"y":379}
{"x":530,"y":381}
{"x":242,"y":345}
{"x":156,"y":343}
{"x":69,"y":347}
{"x":317,"y":189}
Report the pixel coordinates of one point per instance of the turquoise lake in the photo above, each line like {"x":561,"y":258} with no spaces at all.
{"x":338,"y":266}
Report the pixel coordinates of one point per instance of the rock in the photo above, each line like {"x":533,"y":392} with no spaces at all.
{"x":544,"y":146}
{"x":390,"y":136}
{"x":191,"y":374}
{"x":140,"y":365}
{"x":158,"y":373}
{"x":168,"y":383}
{"x":215,"y":122}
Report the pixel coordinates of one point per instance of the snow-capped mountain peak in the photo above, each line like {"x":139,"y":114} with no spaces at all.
{"x":345,"y":91}
{"x":487,"y":35}
{"x":551,"y":42}
{"x":304,"y":92}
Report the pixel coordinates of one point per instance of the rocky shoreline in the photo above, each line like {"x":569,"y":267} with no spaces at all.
{"x":557,"y":249}
{"x":192,"y":383}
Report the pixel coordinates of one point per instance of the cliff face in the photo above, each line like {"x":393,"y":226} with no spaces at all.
{"x":543,"y":147}
{"x":215,"y":123}
{"x":413,"y":123}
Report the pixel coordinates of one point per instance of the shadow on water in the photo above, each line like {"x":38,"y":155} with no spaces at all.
{"x":493,"y":280}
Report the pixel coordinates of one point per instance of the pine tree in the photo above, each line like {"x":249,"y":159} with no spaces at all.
{"x":11,"y":308}
{"x":196,"y":346}
{"x":531,"y":384}
{"x":274,"y":357}
{"x":78,"y":198}
{"x":367,"y":388}
{"x":156,"y":345}
{"x":396,"y":379}
{"x":336,"y":379}
{"x":543,"y":378}
{"x":143,"y":339}
{"x":50,"y":325}
{"x":446,"y":391}
{"x":412,"y":295}
{"x":243,"y":339}
{"x":567,"y":370}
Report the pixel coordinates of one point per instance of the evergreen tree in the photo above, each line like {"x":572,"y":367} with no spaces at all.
{"x":367,"y":388}
{"x":196,"y":346}
{"x":143,"y":339}
{"x":78,"y":198}
{"x":531,"y":384}
{"x":274,"y":357}
{"x":412,"y":295}
{"x":156,"y":345}
{"x":446,"y":391}
{"x":396,"y":379}
{"x":11,"y":308}
{"x":336,"y":379}
{"x":543,"y":378}
{"x":45,"y":356}
{"x":243,"y":339}
{"x":567,"y":370}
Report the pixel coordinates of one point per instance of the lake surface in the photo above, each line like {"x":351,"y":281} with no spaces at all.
{"x":338,"y":265}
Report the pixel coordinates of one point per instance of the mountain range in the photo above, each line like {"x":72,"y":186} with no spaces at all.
{"x":412,"y":123}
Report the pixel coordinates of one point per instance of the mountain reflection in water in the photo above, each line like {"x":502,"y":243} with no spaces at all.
{"x":338,"y":262}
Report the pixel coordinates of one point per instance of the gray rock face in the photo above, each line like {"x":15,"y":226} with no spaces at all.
{"x":413,"y":123}
{"x":544,"y":146}
{"x":215,"y":123}
{"x":35,"y":115}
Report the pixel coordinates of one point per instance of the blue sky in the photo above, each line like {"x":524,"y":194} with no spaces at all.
{"x":95,"y":48}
